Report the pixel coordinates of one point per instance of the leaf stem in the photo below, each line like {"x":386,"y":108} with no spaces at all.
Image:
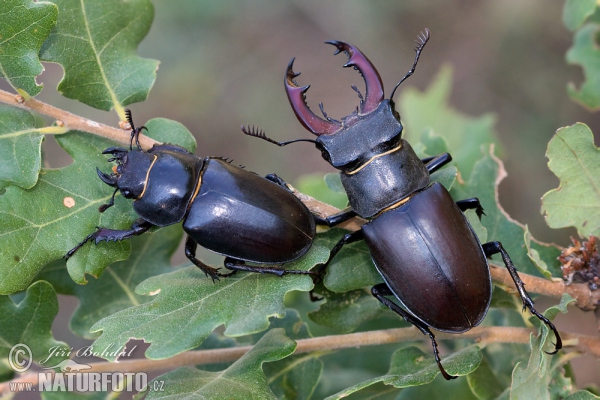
{"x":483,"y":335}
{"x":72,"y":121}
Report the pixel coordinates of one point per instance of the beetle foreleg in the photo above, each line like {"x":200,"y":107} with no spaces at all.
{"x":434,"y":163}
{"x":104,"y":234}
{"x":336,"y":219}
{"x":471,"y":204}
{"x":190,"y":253}
{"x":495,"y":248}
{"x":382,"y":290}
{"x":239,"y":265}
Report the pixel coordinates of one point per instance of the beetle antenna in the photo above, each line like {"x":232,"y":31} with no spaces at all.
{"x":360,"y":96}
{"x":135,"y":132}
{"x":261,"y":135}
{"x":420,"y":43}
{"x":326,"y":116}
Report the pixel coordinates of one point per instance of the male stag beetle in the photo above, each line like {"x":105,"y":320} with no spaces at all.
{"x":420,"y":242}
{"x":224,"y":208}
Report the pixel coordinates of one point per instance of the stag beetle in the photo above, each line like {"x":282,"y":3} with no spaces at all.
{"x":430,"y":259}
{"x":224,"y":208}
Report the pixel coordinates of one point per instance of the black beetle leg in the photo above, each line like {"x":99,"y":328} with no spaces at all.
{"x":138,"y":227}
{"x":382,"y":290}
{"x":346,"y":239}
{"x":190,"y":253}
{"x":239,"y":265}
{"x":496,"y":247}
{"x":471,"y":204}
{"x":336,"y":219}
{"x":434,"y":163}
{"x":276,"y":179}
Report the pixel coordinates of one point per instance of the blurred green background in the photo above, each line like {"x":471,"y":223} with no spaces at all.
{"x":223,"y":63}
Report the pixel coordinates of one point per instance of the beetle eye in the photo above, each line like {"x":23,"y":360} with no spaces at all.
{"x":126,"y":193}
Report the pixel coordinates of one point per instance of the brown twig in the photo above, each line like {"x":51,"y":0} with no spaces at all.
{"x":483,"y":335}
{"x":72,"y":121}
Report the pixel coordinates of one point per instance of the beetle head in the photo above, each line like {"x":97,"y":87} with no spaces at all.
{"x":373,"y":128}
{"x":131,"y":172}
{"x":328,"y":126}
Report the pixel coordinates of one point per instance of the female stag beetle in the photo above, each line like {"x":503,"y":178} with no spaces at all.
{"x":420,"y":242}
{"x":224,"y":208}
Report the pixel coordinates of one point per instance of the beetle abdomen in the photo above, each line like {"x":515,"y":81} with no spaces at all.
{"x":242,"y":215}
{"x":430,"y":258}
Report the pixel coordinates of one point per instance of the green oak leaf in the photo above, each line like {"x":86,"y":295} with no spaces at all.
{"x":351,"y":268}
{"x":187,"y":306}
{"x":325,"y":189}
{"x":586,"y":54}
{"x":296,"y":376}
{"x":575,"y":160}
{"x":96,"y":42}
{"x":24,"y":26}
{"x":575,"y":12}
{"x":535,"y":380}
{"x":344,"y":312}
{"x":244,"y":379}
{"x":582,"y":395}
{"x":534,"y":256}
{"x":484,"y":383}
{"x":410,"y":366}
{"x":114,"y":290}
{"x":41,"y":224}
{"x":29,"y":322}
{"x":423,"y":112}
{"x":483,"y":183}
{"x":20,"y":148}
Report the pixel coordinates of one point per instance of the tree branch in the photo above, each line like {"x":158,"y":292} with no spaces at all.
{"x":72,"y":121}
{"x":482,"y":335}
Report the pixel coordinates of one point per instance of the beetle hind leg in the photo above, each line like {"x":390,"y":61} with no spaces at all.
{"x":495,"y":248}
{"x":190,"y":253}
{"x":382,"y":290}
{"x":235,"y":265}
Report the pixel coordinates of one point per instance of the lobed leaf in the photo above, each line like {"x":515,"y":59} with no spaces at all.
{"x":575,"y":160}
{"x":114,"y":290}
{"x":187,"y":307}
{"x":29,"y":323}
{"x":344,"y":312}
{"x":487,"y":174}
{"x":412,"y":367}
{"x":95,"y":42}
{"x":295,"y":376}
{"x":430,"y":111}
{"x":24,"y":26}
{"x":535,"y":380}
{"x":575,"y":12}
{"x":244,"y":379}
{"x":41,"y":224}
{"x":586,"y":54}
{"x":20,"y":148}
